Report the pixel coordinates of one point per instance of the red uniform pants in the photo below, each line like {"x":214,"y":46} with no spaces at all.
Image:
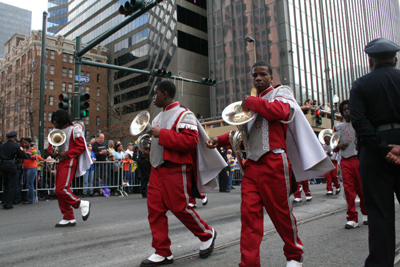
{"x":331,"y":177}
{"x":306,"y":189}
{"x":170,"y":189}
{"x":64,"y":175}
{"x":266,"y":183}
{"x":352,"y":187}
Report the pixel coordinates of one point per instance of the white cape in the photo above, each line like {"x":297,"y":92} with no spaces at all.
{"x":305,"y":152}
{"x":209,"y":163}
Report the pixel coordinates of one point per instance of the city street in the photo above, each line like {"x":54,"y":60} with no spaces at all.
{"x":118,"y":234}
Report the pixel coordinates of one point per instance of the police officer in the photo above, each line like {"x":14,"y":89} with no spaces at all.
{"x":375,"y":115}
{"x":10,"y":153}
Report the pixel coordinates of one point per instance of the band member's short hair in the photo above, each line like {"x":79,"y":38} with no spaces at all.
{"x":265,"y":64}
{"x":167,"y":86}
{"x":62,"y":117}
{"x":341,"y":106}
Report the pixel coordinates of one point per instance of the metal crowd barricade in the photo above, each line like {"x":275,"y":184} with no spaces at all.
{"x":107,"y":174}
{"x":237,"y":176}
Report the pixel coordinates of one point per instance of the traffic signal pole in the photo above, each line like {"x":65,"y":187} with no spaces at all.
{"x":79,"y":52}
{"x":75,"y":105}
{"x":42,"y":85}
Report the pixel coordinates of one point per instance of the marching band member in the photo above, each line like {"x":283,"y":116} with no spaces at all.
{"x":349,"y":164}
{"x":74,"y":160}
{"x":178,"y":158}
{"x":267,"y":179}
{"x":331,"y":177}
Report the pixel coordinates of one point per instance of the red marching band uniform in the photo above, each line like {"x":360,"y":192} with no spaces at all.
{"x":175,"y":176}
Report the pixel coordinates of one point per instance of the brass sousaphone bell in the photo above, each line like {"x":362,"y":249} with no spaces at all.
{"x":140,"y":126}
{"x":56,"y":138}
{"x":334,"y":137}
{"x":234,"y":115}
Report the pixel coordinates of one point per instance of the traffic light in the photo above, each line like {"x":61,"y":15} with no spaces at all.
{"x":84,"y":105}
{"x":162,"y":73}
{"x":208,"y":81}
{"x":130,"y":7}
{"x":64,"y":104}
{"x":318,"y":118}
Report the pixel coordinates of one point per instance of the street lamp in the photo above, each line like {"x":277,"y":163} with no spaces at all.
{"x":251,"y":40}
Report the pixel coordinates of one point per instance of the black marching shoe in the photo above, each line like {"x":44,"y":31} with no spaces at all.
{"x":7,"y":207}
{"x":156,"y":260}
{"x":205,"y":253}
{"x":66,"y":223}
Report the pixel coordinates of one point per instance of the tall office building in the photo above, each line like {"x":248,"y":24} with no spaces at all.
{"x":313,"y":45}
{"x":13,"y":20}
{"x":58,"y":15}
{"x":171,"y":36}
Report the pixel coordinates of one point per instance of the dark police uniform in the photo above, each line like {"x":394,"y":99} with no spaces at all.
{"x":375,"y":115}
{"x":10,"y":153}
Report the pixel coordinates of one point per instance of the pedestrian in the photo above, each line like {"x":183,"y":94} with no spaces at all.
{"x":74,"y":160}
{"x":176,"y":135}
{"x":331,"y":177}
{"x":89,"y":174}
{"x":100,"y":150}
{"x":231,"y":165}
{"x":349,"y":164}
{"x":144,"y":167}
{"x":223,"y":176}
{"x":267,"y":178}
{"x":30,"y":168}
{"x":10,"y":154}
{"x":375,"y":115}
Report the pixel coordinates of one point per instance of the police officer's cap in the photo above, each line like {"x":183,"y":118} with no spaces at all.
{"x":11,"y":134}
{"x":381,"y":48}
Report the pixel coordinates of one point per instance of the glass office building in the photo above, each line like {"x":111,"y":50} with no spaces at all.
{"x":13,"y":20}
{"x":314,"y":46}
{"x":58,"y":15}
{"x":171,"y":36}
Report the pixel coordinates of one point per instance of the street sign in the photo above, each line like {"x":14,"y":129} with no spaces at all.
{"x":81,"y":83}
{"x":81,"y":78}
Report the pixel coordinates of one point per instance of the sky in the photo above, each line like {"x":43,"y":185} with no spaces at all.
{"x":36,"y":6}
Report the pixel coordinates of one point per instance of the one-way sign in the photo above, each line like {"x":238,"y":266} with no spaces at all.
{"x":81,"y":78}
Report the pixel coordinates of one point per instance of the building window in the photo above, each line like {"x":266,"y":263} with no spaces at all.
{"x":98,"y":106}
{"x":52,"y":69}
{"x":51,"y":100}
{"x":70,"y":88}
{"x":70,"y":72}
{"x":97,"y":120}
{"x":71,"y":59}
{"x":98,"y":78}
{"x":65,"y":57}
{"x":98,"y":91}
{"x":52,"y":53}
{"x":64,"y":72}
{"x":87,"y":120}
{"x":87,"y":89}
{"x":49,"y":130}
{"x":50,"y":114}
{"x":88,"y":74}
{"x":63,"y":87}
{"x":47,"y":52}
{"x":44,"y":116}
{"x":51,"y":85}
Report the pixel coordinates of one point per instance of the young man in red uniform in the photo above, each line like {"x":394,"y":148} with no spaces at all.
{"x":173,"y":175}
{"x":267,"y":179}
{"x":349,"y":164}
{"x":69,"y":167}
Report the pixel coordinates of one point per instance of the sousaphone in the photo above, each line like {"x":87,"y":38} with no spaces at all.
{"x":333,"y":136}
{"x":56,"y":138}
{"x":234,"y":115}
{"x":140,"y":126}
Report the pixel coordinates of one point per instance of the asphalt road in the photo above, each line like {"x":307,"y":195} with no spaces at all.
{"x":118,"y":234}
